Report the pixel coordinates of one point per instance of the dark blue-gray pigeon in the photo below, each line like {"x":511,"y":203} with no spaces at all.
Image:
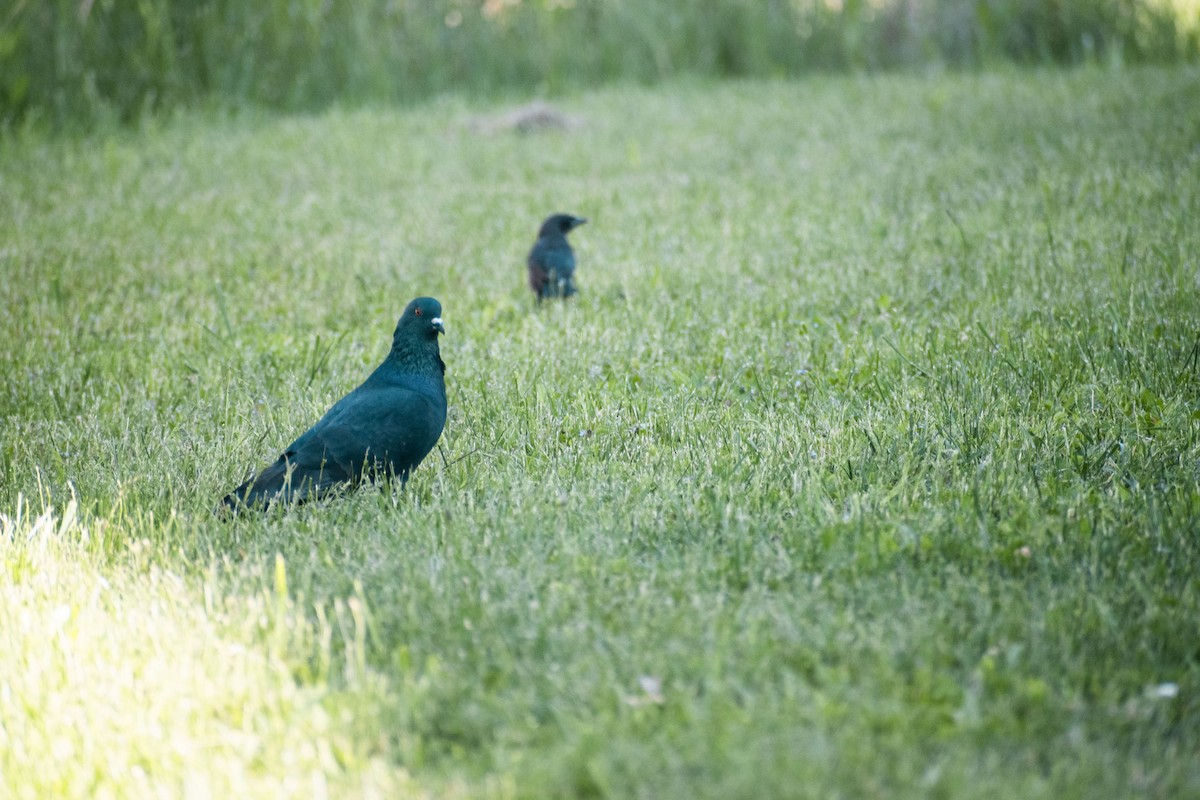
{"x":552,"y":261}
{"x":381,"y":430}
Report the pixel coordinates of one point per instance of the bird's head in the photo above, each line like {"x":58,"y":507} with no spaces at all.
{"x":421,"y":320}
{"x":561,"y":224}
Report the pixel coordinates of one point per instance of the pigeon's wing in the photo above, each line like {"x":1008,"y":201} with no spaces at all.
{"x":334,"y":411}
{"x":391,"y":428}
{"x":393,"y":425}
{"x":370,"y":432}
{"x":538,"y":276}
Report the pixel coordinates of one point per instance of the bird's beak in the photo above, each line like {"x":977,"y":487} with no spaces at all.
{"x":580,"y":221}
{"x":436,"y":324}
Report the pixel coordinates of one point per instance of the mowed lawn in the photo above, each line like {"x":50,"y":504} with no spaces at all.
{"x":865,"y":464}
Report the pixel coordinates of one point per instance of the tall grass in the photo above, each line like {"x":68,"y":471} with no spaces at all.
{"x":88,"y":59}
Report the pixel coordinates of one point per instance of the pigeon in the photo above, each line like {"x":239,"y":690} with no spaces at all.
{"x":552,"y":261}
{"x":381,"y":430}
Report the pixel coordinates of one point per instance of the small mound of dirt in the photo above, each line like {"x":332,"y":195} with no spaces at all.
{"x":534,"y":117}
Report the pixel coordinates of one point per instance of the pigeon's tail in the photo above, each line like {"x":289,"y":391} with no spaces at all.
{"x":283,"y":483}
{"x":271,"y":485}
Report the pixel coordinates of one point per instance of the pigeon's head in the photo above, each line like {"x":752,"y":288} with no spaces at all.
{"x":422,"y":319}
{"x":561,"y":224}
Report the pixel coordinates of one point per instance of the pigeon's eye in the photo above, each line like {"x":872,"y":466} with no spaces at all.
{"x":417,"y":311}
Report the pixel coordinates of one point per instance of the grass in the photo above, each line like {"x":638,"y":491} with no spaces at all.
{"x":866,"y":463}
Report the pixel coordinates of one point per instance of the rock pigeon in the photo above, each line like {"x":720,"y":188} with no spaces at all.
{"x":382,"y":429}
{"x":552,"y":261}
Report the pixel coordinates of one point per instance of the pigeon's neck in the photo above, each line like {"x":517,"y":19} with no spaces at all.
{"x":417,"y":357}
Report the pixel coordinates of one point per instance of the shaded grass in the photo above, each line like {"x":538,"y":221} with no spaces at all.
{"x":866,"y":462}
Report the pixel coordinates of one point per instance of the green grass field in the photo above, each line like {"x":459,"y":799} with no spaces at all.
{"x":866,"y":464}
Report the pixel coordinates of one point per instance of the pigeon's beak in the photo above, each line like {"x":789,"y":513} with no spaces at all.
{"x":580,"y":221}
{"x":436,"y":324}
